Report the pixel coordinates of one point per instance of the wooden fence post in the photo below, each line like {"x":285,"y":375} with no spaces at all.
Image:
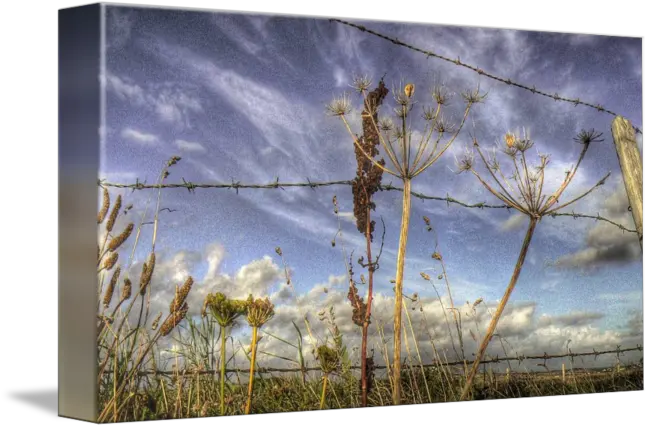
{"x":630,"y":161}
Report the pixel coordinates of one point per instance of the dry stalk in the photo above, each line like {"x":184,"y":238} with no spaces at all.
{"x":523,"y":191}
{"x":397,"y":144}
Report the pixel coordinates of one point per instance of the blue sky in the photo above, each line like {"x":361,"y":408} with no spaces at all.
{"x":242,"y":97}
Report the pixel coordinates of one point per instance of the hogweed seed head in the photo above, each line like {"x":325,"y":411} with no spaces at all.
{"x":339,"y":106}
{"x":440,"y":95}
{"x":328,"y":358}
{"x":588,"y":136}
{"x":361,"y":83}
{"x":465,"y":162}
{"x":225,"y":310}
{"x":259,"y":311}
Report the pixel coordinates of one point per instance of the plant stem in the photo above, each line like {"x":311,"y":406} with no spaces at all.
{"x":254,"y":346}
{"x":322,"y":404}
{"x":496,"y":317}
{"x":223,"y":336}
{"x":366,"y":323}
{"x":399,"y":286}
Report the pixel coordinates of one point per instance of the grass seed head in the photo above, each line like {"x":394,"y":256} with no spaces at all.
{"x":126,"y":292}
{"x":105,"y":207}
{"x":117,"y":241}
{"x":156,"y":321}
{"x":110,"y":289}
{"x":147,"y":273}
{"x":181,"y":294}
{"x":173,"y":320}
{"x":111,"y":261}
{"x":114,"y":214}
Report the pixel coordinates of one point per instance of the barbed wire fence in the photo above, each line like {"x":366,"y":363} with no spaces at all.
{"x":313,"y":185}
{"x":480,"y":71}
{"x":237,"y":185}
{"x":520,"y":358}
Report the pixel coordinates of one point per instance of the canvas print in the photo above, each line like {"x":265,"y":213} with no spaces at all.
{"x":304,"y":213}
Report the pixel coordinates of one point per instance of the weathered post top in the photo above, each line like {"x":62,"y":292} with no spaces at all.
{"x":630,"y":161}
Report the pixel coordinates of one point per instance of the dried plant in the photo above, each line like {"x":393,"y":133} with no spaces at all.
{"x":259,"y":312}
{"x":123,"y":344}
{"x":225,"y":311}
{"x":523,"y":191}
{"x":407,"y":162}
{"x":330,"y":361}
{"x":364,"y":186}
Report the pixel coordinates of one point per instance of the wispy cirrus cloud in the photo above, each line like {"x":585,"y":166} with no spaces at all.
{"x":139,"y":137}
{"x":185,"y":145}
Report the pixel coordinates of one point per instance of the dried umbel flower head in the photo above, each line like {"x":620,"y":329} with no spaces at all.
{"x":361,"y":83}
{"x":259,"y":311}
{"x":328,"y":358}
{"x":588,"y":136}
{"x":339,"y":105}
{"x":105,"y":207}
{"x":180,"y":295}
{"x":117,"y":241}
{"x":225,"y":310}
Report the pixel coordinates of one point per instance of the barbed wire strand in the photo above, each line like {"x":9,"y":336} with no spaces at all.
{"x":236,"y":185}
{"x":480,"y":71}
{"x":518,"y":358}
